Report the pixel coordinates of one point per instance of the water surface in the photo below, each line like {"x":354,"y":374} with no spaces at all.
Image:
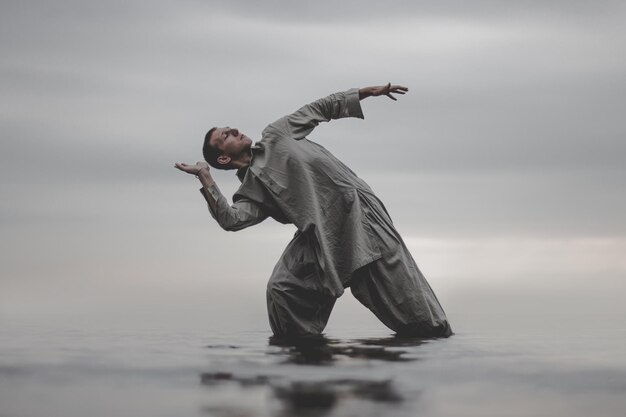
{"x":53,"y":369}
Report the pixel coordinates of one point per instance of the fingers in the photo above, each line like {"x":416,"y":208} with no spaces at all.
{"x":399,"y":89}
{"x":184,"y":167}
{"x":395,"y":89}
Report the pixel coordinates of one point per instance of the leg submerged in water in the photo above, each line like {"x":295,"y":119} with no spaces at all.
{"x":295,"y":310}
{"x":395,"y":290}
{"x":297,"y":304}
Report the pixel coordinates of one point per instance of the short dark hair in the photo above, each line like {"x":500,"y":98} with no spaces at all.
{"x":211,"y":153}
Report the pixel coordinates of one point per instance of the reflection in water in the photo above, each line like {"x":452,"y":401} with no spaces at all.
{"x":324,"y":395}
{"x":319,"y":350}
{"x":318,"y":397}
{"x":215,"y":378}
{"x":393,"y":341}
{"x":149,"y":373}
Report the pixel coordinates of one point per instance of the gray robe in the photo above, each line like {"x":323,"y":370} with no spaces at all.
{"x":345,"y":237}
{"x":295,"y":180}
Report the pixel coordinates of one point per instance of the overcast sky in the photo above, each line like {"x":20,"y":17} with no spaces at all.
{"x":503,"y":167}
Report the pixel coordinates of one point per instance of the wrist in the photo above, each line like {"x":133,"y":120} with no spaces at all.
{"x":203,"y":173}
{"x":366,"y":92}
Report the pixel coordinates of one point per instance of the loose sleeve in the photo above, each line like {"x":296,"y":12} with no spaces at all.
{"x":241,"y":214}
{"x":335,"y":106}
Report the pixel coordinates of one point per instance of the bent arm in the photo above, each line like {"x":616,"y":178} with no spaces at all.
{"x":241,"y":214}
{"x":335,"y":106}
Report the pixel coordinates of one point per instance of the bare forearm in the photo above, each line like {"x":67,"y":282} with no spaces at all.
{"x":366,"y":92}
{"x":207,"y":181}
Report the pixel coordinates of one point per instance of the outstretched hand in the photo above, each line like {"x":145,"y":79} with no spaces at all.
{"x":192,"y":169}
{"x":388,"y":89}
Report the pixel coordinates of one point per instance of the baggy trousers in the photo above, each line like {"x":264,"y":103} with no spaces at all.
{"x":392,"y":287}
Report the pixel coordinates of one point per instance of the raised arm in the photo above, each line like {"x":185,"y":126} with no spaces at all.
{"x":336,"y":106}
{"x":241,"y":214}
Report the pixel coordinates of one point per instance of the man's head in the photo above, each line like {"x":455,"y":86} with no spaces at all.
{"x":226,"y":148}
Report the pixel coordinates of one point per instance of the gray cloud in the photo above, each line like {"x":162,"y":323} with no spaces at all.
{"x":492,"y":87}
{"x":354,"y":10}
{"x":513,"y":125}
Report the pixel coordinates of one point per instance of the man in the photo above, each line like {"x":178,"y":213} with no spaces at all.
{"x":345,"y":237}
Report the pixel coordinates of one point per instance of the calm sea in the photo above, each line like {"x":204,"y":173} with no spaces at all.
{"x":493,"y":366}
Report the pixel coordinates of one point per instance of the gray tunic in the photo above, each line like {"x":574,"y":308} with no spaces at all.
{"x":295,"y":180}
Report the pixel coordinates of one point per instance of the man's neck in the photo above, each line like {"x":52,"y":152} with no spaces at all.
{"x":242,"y":161}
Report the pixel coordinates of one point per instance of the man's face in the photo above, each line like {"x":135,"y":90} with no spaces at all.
{"x":230,"y":141}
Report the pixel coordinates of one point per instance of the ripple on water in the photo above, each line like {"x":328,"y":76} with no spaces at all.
{"x":296,"y":393}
